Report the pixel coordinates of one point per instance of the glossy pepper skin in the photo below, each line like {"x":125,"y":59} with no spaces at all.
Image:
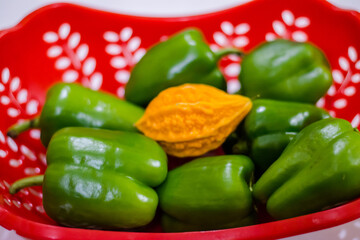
{"x":271,"y":125}
{"x":72,"y":105}
{"x":99,"y":179}
{"x":210,"y":192}
{"x":183,"y":58}
{"x":318,"y":169}
{"x":285,"y":70}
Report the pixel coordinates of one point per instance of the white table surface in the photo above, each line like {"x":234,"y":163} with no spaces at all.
{"x":12,"y":11}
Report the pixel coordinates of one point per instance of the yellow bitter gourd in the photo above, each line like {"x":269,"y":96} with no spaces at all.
{"x":192,"y":119}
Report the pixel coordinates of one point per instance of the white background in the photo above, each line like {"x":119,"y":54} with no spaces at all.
{"x":12,"y":11}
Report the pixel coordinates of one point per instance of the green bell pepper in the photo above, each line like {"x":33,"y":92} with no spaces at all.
{"x":237,"y":142}
{"x":271,"y":125}
{"x":208,"y":193}
{"x":72,"y":105}
{"x":285,"y":70}
{"x":318,"y":170}
{"x":183,"y":58}
{"x":98,"y":178}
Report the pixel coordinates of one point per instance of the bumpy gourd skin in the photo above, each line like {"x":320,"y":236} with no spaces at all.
{"x":192,"y":119}
{"x":183,"y":58}
{"x":98,"y":178}
{"x":318,"y":169}
{"x":271,"y":125}
{"x":209,"y":192}
{"x":72,"y":105}
{"x":285,"y":70}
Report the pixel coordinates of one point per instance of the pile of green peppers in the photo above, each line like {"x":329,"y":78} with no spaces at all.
{"x":287,"y":153}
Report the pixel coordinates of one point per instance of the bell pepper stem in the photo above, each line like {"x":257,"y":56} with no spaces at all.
{"x":226,"y":51}
{"x":26,"y":182}
{"x":18,"y":128}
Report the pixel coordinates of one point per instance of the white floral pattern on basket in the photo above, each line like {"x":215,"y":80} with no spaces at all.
{"x":17,"y":101}
{"x":126,"y":52}
{"x":7,"y":144}
{"x":345,"y":78}
{"x":281,"y":28}
{"x":15,"y":98}
{"x":15,"y":202}
{"x":72,"y":57}
{"x":19,"y":104}
{"x":231,"y":35}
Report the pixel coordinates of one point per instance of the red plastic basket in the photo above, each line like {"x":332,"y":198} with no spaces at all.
{"x":63,"y":42}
